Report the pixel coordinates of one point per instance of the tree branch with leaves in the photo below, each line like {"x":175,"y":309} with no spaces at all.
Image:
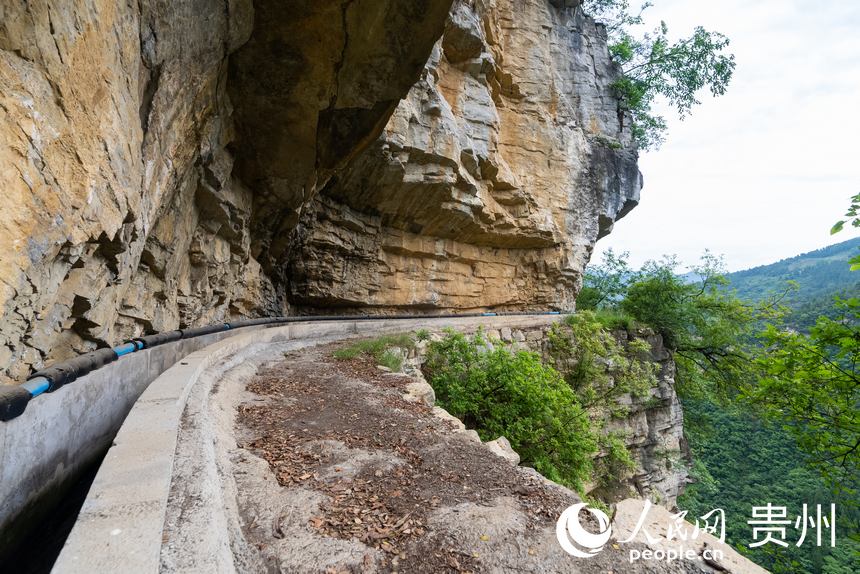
{"x":654,"y":67}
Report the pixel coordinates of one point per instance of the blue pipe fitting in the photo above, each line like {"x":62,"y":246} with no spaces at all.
{"x":125,"y":349}
{"x":37,"y":385}
{"x":14,"y":399}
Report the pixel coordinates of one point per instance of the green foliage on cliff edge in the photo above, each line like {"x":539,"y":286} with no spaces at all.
{"x":707,"y":328}
{"x":598,"y":367}
{"x":771,"y":412}
{"x":655,"y":67}
{"x":730,"y":349}
{"x":551,"y":408}
{"x":499,"y":393}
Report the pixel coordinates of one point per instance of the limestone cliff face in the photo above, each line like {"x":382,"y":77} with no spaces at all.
{"x":491,"y":181}
{"x":111,"y":121}
{"x":652,"y":426}
{"x":123,"y":212}
{"x":169,"y":164}
{"x":654,"y":434}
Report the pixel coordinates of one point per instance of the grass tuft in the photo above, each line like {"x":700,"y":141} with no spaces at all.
{"x":378,"y":348}
{"x":390,"y":359}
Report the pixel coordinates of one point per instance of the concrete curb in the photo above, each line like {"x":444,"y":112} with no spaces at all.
{"x":122,"y":520}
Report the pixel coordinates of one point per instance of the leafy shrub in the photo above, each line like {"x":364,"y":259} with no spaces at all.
{"x":497,"y":392}
{"x":616,"y":460}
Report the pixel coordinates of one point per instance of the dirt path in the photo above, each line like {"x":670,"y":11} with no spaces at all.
{"x":361,"y":480}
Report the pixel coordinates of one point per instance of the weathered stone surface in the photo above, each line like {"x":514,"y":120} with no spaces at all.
{"x":502,"y":447}
{"x":491,"y":181}
{"x":653,"y":431}
{"x":124,"y":213}
{"x":314,"y":84}
{"x":111,"y":121}
{"x":421,"y":391}
{"x":162,"y":162}
{"x":456,"y":423}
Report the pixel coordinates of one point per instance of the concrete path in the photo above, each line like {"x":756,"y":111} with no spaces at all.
{"x":262,"y":453}
{"x":121,"y":524}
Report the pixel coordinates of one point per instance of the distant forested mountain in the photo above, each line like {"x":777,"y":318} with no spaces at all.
{"x":740,"y":460}
{"x":820,"y":276}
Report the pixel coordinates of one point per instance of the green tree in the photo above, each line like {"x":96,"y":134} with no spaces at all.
{"x":704,"y":324}
{"x":811,"y":384}
{"x":604,"y":285}
{"x":853,"y":215}
{"x":740,"y":367}
{"x":655,"y":67}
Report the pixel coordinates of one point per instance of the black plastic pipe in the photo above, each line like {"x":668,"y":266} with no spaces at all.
{"x":15,"y":398}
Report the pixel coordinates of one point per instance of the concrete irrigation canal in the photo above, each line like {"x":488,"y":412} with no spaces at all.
{"x":255,"y":449}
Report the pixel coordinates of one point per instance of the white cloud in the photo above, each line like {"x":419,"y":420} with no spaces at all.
{"x":763,"y":172}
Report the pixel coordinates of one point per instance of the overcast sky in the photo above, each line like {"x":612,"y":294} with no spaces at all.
{"x":762,"y":172}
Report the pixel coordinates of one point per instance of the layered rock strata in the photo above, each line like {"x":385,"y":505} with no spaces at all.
{"x":492,"y":180}
{"x":172,"y":164}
